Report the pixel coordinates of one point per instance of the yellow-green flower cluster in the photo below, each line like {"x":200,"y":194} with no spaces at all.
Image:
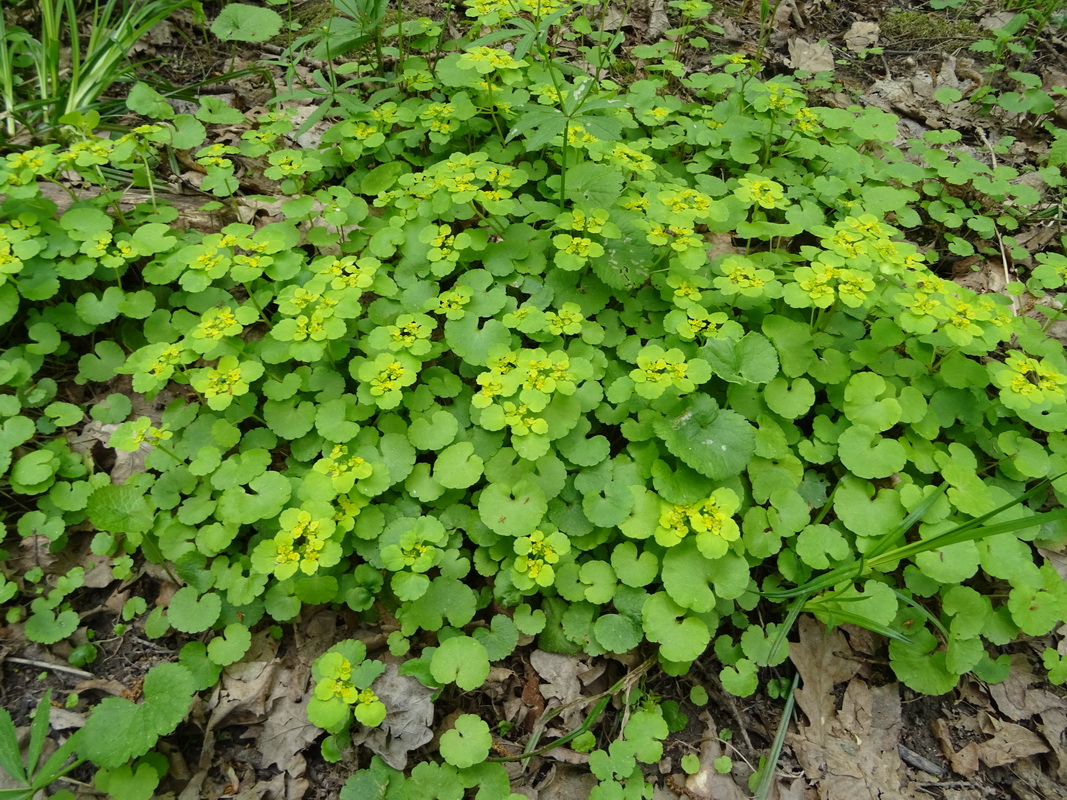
{"x":826,"y":282}
{"x":218,"y":324}
{"x":229,"y":379}
{"x":753,"y":190}
{"x":304,"y":543}
{"x":711,"y":520}
{"x":343,"y":469}
{"x":947,"y":314}
{"x":741,"y":276}
{"x":537,"y":555}
{"x":488,"y":59}
{"x":383,"y":378}
{"x":461,"y":178}
{"x":1026,"y":382}
{"x":659,"y":370}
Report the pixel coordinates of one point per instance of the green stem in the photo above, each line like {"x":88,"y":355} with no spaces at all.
{"x":563,"y":165}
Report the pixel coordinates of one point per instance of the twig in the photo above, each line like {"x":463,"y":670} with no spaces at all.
{"x":913,"y":759}
{"x":1015,"y":307}
{"x":29,"y":662}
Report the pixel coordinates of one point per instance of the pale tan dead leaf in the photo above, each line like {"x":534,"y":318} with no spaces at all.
{"x":1022,"y":694}
{"x":1009,"y":743}
{"x":36,"y":552}
{"x":851,"y":752}
{"x":964,"y":762}
{"x":810,"y":56}
{"x":862,"y":640}
{"x":99,"y":434}
{"x":1034,"y":782}
{"x":994,"y":22}
{"x":1053,"y":727}
{"x":98,"y":572}
{"x":559,"y":680}
{"x":408,"y":721}
{"x":708,"y":781}
{"x":818,"y":658}
{"x":795,"y":789}
{"x":862,"y":36}
{"x":657,"y":20}
{"x":564,"y":783}
{"x":721,"y":244}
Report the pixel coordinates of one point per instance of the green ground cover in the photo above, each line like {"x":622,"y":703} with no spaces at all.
{"x":619,"y":364}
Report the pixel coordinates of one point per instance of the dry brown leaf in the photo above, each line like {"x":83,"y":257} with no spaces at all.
{"x":963,"y":762}
{"x":1053,"y":727}
{"x":708,"y":781}
{"x":406,"y":726}
{"x":560,"y":680}
{"x":817,"y":657}
{"x":657,"y":20}
{"x":721,"y":244}
{"x":1009,"y":744}
{"x":1022,"y":694}
{"x":810,"y":56}
{"x":852,"y":753}
{"x":862,"y":35}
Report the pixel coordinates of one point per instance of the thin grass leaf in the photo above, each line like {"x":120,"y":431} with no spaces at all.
{"x":766,"y":781}
{"x":10,"y":754}
{"x":53,"y":769}
{"x":39,"y":732}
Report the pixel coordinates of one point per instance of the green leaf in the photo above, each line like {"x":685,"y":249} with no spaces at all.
{"x":168,"y":692}
{"x":616,"y":633}
{"x":512,"y":511}
{"x":593,"y":185}
{"x":194,"y":658}
{"x":461,"y":660}
{"x":868,"y":455}
{"x":188,"y":612}
{"x":499,"y":639}
{"x":433,"y":432}
{"x":120,"y":509}
{"x":715,"y":442}
{"x":681,"y":638}
{"x":467,"y":743}
{"x":238,"y":22}
{"x":740,"y":680}
{"x":634,"y":569}
{"x":147,"y":102}
{"x":790,"y":399}
{"x":819,"y":545}
{"x":128,"y":783}
{"x":48,"y":627}
{"x":921,"y":665}
{"x":372,"y":783}
{"x":753,"y":359}
{"x":231,"y":646}
{"x":10,"y":753}
{"x":457,"y":467}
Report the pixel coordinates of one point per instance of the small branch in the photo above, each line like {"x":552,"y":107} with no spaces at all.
{"x":29,"y":662}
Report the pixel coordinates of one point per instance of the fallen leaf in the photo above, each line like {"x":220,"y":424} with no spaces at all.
{"x":708,"y":781}
{"x":852,"y":752}
{"x":862,"y":36}
{"x":657,"y":20}
{"x":810,"y":56}
{"x":1022,"y":694}
{"x":1011,"y":743}
{"x":560,"y":680}
{"x":406,"y":726}
{"x":821,"y":667}
{"x":964,"y":762}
